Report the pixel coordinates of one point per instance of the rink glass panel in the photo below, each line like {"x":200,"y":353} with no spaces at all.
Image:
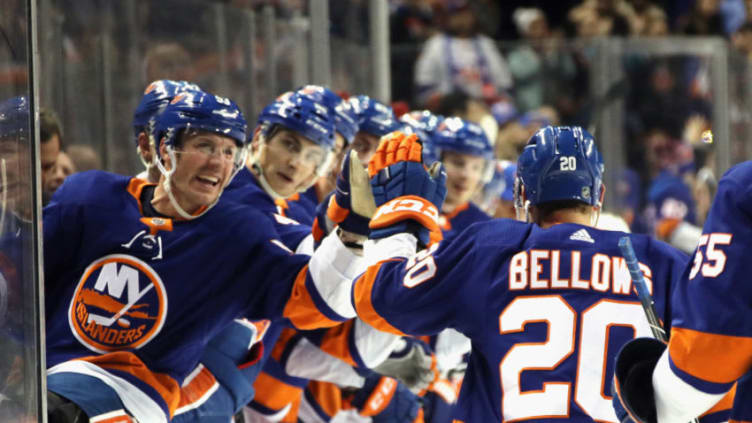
{"x":21,"y":358}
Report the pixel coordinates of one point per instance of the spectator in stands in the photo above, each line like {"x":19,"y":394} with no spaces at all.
{"x":84,"y":157}
{"x":512,"y":136}
{"x":411,"y":21}
{"x":647,"y":19}
{"x":63,"y":168}
{"x":459,"y":104}
{"x":51,"y":136}
{"x":459,"y":58}
{"x":168,"y":61}
{"x":742,"y":40}
{"x":600,"y":18}
{"x":704,"y":19}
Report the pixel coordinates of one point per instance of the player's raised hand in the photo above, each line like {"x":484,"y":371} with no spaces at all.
{"x":351,"y":205}
{"x":407,"y":194}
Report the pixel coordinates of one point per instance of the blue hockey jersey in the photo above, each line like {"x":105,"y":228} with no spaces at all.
{"x":138,"y":298}
{"x":452,"y":224}
{"x":711,"y":342}
{"x":546,"y":310}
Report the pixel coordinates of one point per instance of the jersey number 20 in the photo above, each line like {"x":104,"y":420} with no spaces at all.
{"x":554,"y":399}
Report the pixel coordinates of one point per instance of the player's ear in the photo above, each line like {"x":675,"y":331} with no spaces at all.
{"x":163,"y":154}
{"x":257,"y":140}
{"x":602,"y":195}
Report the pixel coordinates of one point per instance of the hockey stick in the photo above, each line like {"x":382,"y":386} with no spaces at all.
{"x":625,"y":245}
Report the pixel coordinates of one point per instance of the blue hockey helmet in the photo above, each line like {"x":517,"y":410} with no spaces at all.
{"x":423,"y":124}
{"x":156,"y":97}
{"x":202,"y":111}
{"x":560,"y":163}
{"x":462,"y":136}
{"x":345,"y":119}
{"x":374,"y":117}
{"x":301,"y":114}
{"x":15,"y":118}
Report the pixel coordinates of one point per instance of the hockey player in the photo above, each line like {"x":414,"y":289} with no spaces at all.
{"x":145,"y":275}
{"x":546,"y":304}
{"x":467,"y":156}
{"x":301,"y":207}
{"x":223,"y":380}
{"x":708,"y":350}
{"x":293,"y":130}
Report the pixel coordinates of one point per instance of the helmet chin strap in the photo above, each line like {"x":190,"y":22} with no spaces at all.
{"x":262,"y":180}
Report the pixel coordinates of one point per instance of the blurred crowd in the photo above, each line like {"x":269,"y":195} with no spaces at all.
{"x":512,"y":67}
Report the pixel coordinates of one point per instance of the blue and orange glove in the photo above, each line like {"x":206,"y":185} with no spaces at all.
{"x":633,"y":398}
{"x":351,"y":205}
{"x":408,"y":196}
{"x":385,"y":399}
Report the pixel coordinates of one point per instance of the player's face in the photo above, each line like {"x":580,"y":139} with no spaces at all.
{"x":204,"y":166}
{"x":464,"y":173}
{"x":365,"y":145}
{"x":290,"y":161}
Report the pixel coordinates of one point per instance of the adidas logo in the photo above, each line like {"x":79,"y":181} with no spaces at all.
{"x":582,"y":235}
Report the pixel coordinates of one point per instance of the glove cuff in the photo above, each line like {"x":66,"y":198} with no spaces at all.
{"x":408,"y":207}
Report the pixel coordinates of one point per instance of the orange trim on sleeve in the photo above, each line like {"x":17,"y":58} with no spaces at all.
{"x":336,"y":212}
{"x":362,"y":298}
{"x":335,"y":342}
{"x":202,"y":383}
{"x":127,"y":362}
{"x":300,"y":308}
{"x":726,"y":403}
{"x":698,"y":353}
{"x":274,"y":394}
{"x":327,"y":395}
{"x":380,"y":397}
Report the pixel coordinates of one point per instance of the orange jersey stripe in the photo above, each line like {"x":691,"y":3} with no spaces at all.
{"x":274,"y":394}
{"x":335,"y":342}
{"x":697,"y":353}
{"x":127,"y":362}
{"x":300,"y":308}
{"x":364,"y":307}
{"x":726,"y":403}
{"x":327,"y":395}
